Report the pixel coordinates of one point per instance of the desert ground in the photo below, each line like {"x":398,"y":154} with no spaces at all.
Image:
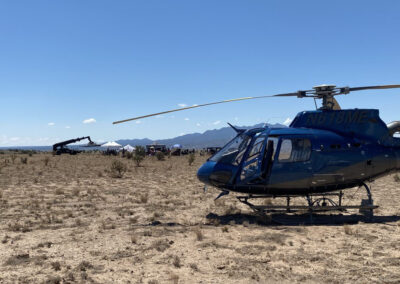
{"x":69,"y":219}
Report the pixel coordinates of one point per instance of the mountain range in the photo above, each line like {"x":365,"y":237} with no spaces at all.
{"x":209,"y":138}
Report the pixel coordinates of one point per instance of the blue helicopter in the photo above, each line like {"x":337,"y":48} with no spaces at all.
{"x":320,"y":154}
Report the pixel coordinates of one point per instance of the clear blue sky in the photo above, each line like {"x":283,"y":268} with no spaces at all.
{"x":64,"y":62}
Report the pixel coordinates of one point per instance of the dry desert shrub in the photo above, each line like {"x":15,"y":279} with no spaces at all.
{"x":56,"y":265}
{"x":53,"y":280}
{"x":194,"y":266}
{"x":17,"y":259}
{"x":144,"y":198}
{"x":199,"y":234}
{"x":160,"y":156}
{"x":348,"y":230}
{"x":396,"y":178}
{"x":118,"y":169}
{"x":174,"y":278}
{"x":24,"y":160}
{"x":46,"y":161}
{"x":176,"y":261}
{"x":140,"y":154}
{"x":84,"y":266}
{"x":161,"y":245}
{"x":134,"y":239}
{"x":128,"y":155}
{"x":191,"y":158}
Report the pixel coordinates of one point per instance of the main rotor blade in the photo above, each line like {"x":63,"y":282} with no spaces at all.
{"x":374,"y":87}
{"x":202,"y":105}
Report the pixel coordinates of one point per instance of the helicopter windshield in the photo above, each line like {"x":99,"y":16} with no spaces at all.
{"x":233,"y":152}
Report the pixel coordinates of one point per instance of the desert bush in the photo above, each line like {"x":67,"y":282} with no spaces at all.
{"x":191,"y":158}
{"x":24,"y":160}
{"x":161,"y":245}
{"x":174,"y":278}
{"x":160,"y":156}
{"x":194,"y":266}
{"x":199,"y":234}
{"x":348,"y":230}
{"x":56,"y":265}
{"x":46,"y":161}
{"x":139,"y":155}
{"x":134,"y":239}
{"x":176,"y":261}
{"x":13,"y":157}
{"x":118,"y":169}
{"x":396,"y":178}
{"x":144,"y":198}
{"x":128,"y":155}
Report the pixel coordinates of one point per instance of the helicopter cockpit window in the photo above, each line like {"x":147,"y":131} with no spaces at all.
{"x":295,"y":150}
{"x":233,"y":152}
{"x":257,"y":146}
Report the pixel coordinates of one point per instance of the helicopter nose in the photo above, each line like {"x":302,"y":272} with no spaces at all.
{"x":204,"y":172}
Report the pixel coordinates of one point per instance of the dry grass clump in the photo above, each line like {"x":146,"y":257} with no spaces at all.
{"x":174,"y":278}
{"x":191,"y":158}
{"x":176,"y":261}
{"x":53,"y":280}
{"x":46,"y":160}
{"x":144,"y":198}
{"x":134,"y":239}
{"x":348,"y":230}
{"x":118,"y":169}
{"x":140,"y":154}
{"x":396,"y":178}
{"x":13,"y":157}
{"x":194,"y":266}
{"x":84,"y":266}
{"x":161,"y":245}
{"x":231,"y":210}
{"x":56,"y":265}
{"x":199,"y":234}
{"x":160,"y":156}
{"x":18,"y":259}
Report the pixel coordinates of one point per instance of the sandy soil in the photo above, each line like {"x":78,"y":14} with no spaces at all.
{"x":65,"y":219}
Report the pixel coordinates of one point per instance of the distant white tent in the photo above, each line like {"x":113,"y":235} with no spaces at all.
{"x":179,"y":146}
{"x":111,"y":144}
{"x":129,"y":148}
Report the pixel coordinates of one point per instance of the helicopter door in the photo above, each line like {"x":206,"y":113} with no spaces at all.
{"x":254,"y":167}
{"x":292,"y":167}
{"x":252,"y":164}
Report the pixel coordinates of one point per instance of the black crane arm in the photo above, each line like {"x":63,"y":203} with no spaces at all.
{"x":65,"y":143}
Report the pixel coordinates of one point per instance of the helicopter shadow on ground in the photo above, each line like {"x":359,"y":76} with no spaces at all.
{"x":297,"y":219}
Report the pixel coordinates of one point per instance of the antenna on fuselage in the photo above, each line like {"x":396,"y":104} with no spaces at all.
{"x":238,"y":131}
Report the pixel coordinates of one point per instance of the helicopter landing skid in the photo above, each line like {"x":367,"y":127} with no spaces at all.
{"x":316,"y":203}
